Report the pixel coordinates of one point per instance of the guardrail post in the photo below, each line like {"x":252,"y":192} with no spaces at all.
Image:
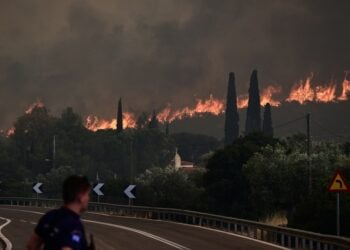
{"x":296,"y":242}
{"x":291,"y":238}
{"x":318,"y":245}
{"x":289,"y":241}
{"x":255,"y":231}
{"x":303,"y":243}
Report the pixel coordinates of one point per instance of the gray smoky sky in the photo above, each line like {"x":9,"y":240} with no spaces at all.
{"x":87,"y":54}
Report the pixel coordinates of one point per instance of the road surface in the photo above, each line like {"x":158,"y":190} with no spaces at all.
{"x":113,"y":232}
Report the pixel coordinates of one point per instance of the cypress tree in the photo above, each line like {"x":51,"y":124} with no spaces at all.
{"x":231,"y":112}
{"x":167,"y":128}
{"x":253,"y":119}
{"x":267,"y":123}
{"x":120,"y":117}
{"x":153,"y":124}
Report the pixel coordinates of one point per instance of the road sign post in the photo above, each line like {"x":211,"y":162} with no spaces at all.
{"x":37,"y":189}
{"x":98,"y":191}
{"x":129,"y":194}
{"x":338,"y":214}
{"x":338,"y":185}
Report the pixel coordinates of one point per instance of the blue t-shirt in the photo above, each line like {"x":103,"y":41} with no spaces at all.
{"x":61,"y":228}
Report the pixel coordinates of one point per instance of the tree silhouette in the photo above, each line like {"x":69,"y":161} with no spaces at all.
{"x":153,"y":124}
{"x":120,"y":117}
{"x":267,"y":122}
{"x":231,"y":113}
{"x":253,"y":119}
{"x":142,"y":121}
{"x":167,"y":128}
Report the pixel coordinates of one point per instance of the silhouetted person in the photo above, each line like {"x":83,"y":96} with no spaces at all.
{"x":62,"y":229}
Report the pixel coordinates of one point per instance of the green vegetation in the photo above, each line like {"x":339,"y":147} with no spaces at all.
{"x":255,"y":177}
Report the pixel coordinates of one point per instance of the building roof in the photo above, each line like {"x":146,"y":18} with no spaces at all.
{"x":186,"y":163}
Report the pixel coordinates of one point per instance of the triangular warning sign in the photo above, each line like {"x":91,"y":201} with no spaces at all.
{"x":338,"y":183}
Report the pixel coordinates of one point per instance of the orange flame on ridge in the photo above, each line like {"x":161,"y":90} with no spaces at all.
{"x":302,"y":92}
{"x":37,"y":104}
{"x":10,"y":131}
{"x":266,"y":95}
{"x":325,"y":93}
{"x":242,"y":101}
{"x":94,"y":123}
{"x":211,"y":105}
{"x":346,"y":87}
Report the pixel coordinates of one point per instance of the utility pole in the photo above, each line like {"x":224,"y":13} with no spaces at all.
{"x":131,"y":167}
{"x":338,"y":214}
{"x":54,"y":151}
{"x":309,"y":150}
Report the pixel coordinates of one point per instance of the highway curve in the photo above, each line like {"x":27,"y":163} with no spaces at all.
{"x":114,"y":232}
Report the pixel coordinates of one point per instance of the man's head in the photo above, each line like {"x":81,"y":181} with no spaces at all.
{"x":76,"y":189}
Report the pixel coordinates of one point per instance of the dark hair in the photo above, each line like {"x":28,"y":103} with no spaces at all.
{"x":73,"y":186}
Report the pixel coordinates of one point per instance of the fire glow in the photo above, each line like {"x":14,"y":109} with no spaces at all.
{"x":301,"y":92}
{"x":304,"y":92}
{"x":37,"y":104}
{"x":211,"y":105}
{"x":94,"y":123}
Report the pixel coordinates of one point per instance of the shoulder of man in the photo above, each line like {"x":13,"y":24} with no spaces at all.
{"x":46,"y":222}
{"x":61,"y":228}
{"x":72,"y":229}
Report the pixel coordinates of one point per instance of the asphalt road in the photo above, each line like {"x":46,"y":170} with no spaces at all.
{"x":113,"y":232}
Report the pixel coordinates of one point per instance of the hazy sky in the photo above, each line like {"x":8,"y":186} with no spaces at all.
{"x":87,"y":54}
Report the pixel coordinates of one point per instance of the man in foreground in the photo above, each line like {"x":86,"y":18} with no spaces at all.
{"x":62,"y":229}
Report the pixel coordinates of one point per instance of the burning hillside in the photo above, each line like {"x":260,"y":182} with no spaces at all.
{"x":301,"y":92}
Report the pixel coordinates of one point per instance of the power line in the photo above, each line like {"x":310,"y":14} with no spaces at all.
{"x":289,"y":122}
{"x":329,"y":130}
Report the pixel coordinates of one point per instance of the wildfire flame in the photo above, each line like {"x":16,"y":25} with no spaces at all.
{"x":303,"y":91}
{"x":37,"y":104}
{"x":211,"y":105}
{"x":94,"y":123}
{"x":10,"y":131}
{"x":326,"y":93}
{"x":346,"y":87}
{"x":29,"y":110}
{"x":266,"y":95}
{"x":242,"y":101}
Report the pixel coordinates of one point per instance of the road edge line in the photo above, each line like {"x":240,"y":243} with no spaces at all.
{"x":197,"y":226}
{"x":3,"y":238}
{"x":143,"y":233}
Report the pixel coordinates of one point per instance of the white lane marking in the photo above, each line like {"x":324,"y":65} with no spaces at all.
{"x":196,"y":226}
{"x":148,"y":235}
{"x":3,"y":237}
{"x":24,"y":221}
{"x":205,"y":228}
{"x":233,"y":234}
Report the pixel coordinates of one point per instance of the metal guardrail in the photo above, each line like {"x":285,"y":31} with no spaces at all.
{"x":282,"y":236}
